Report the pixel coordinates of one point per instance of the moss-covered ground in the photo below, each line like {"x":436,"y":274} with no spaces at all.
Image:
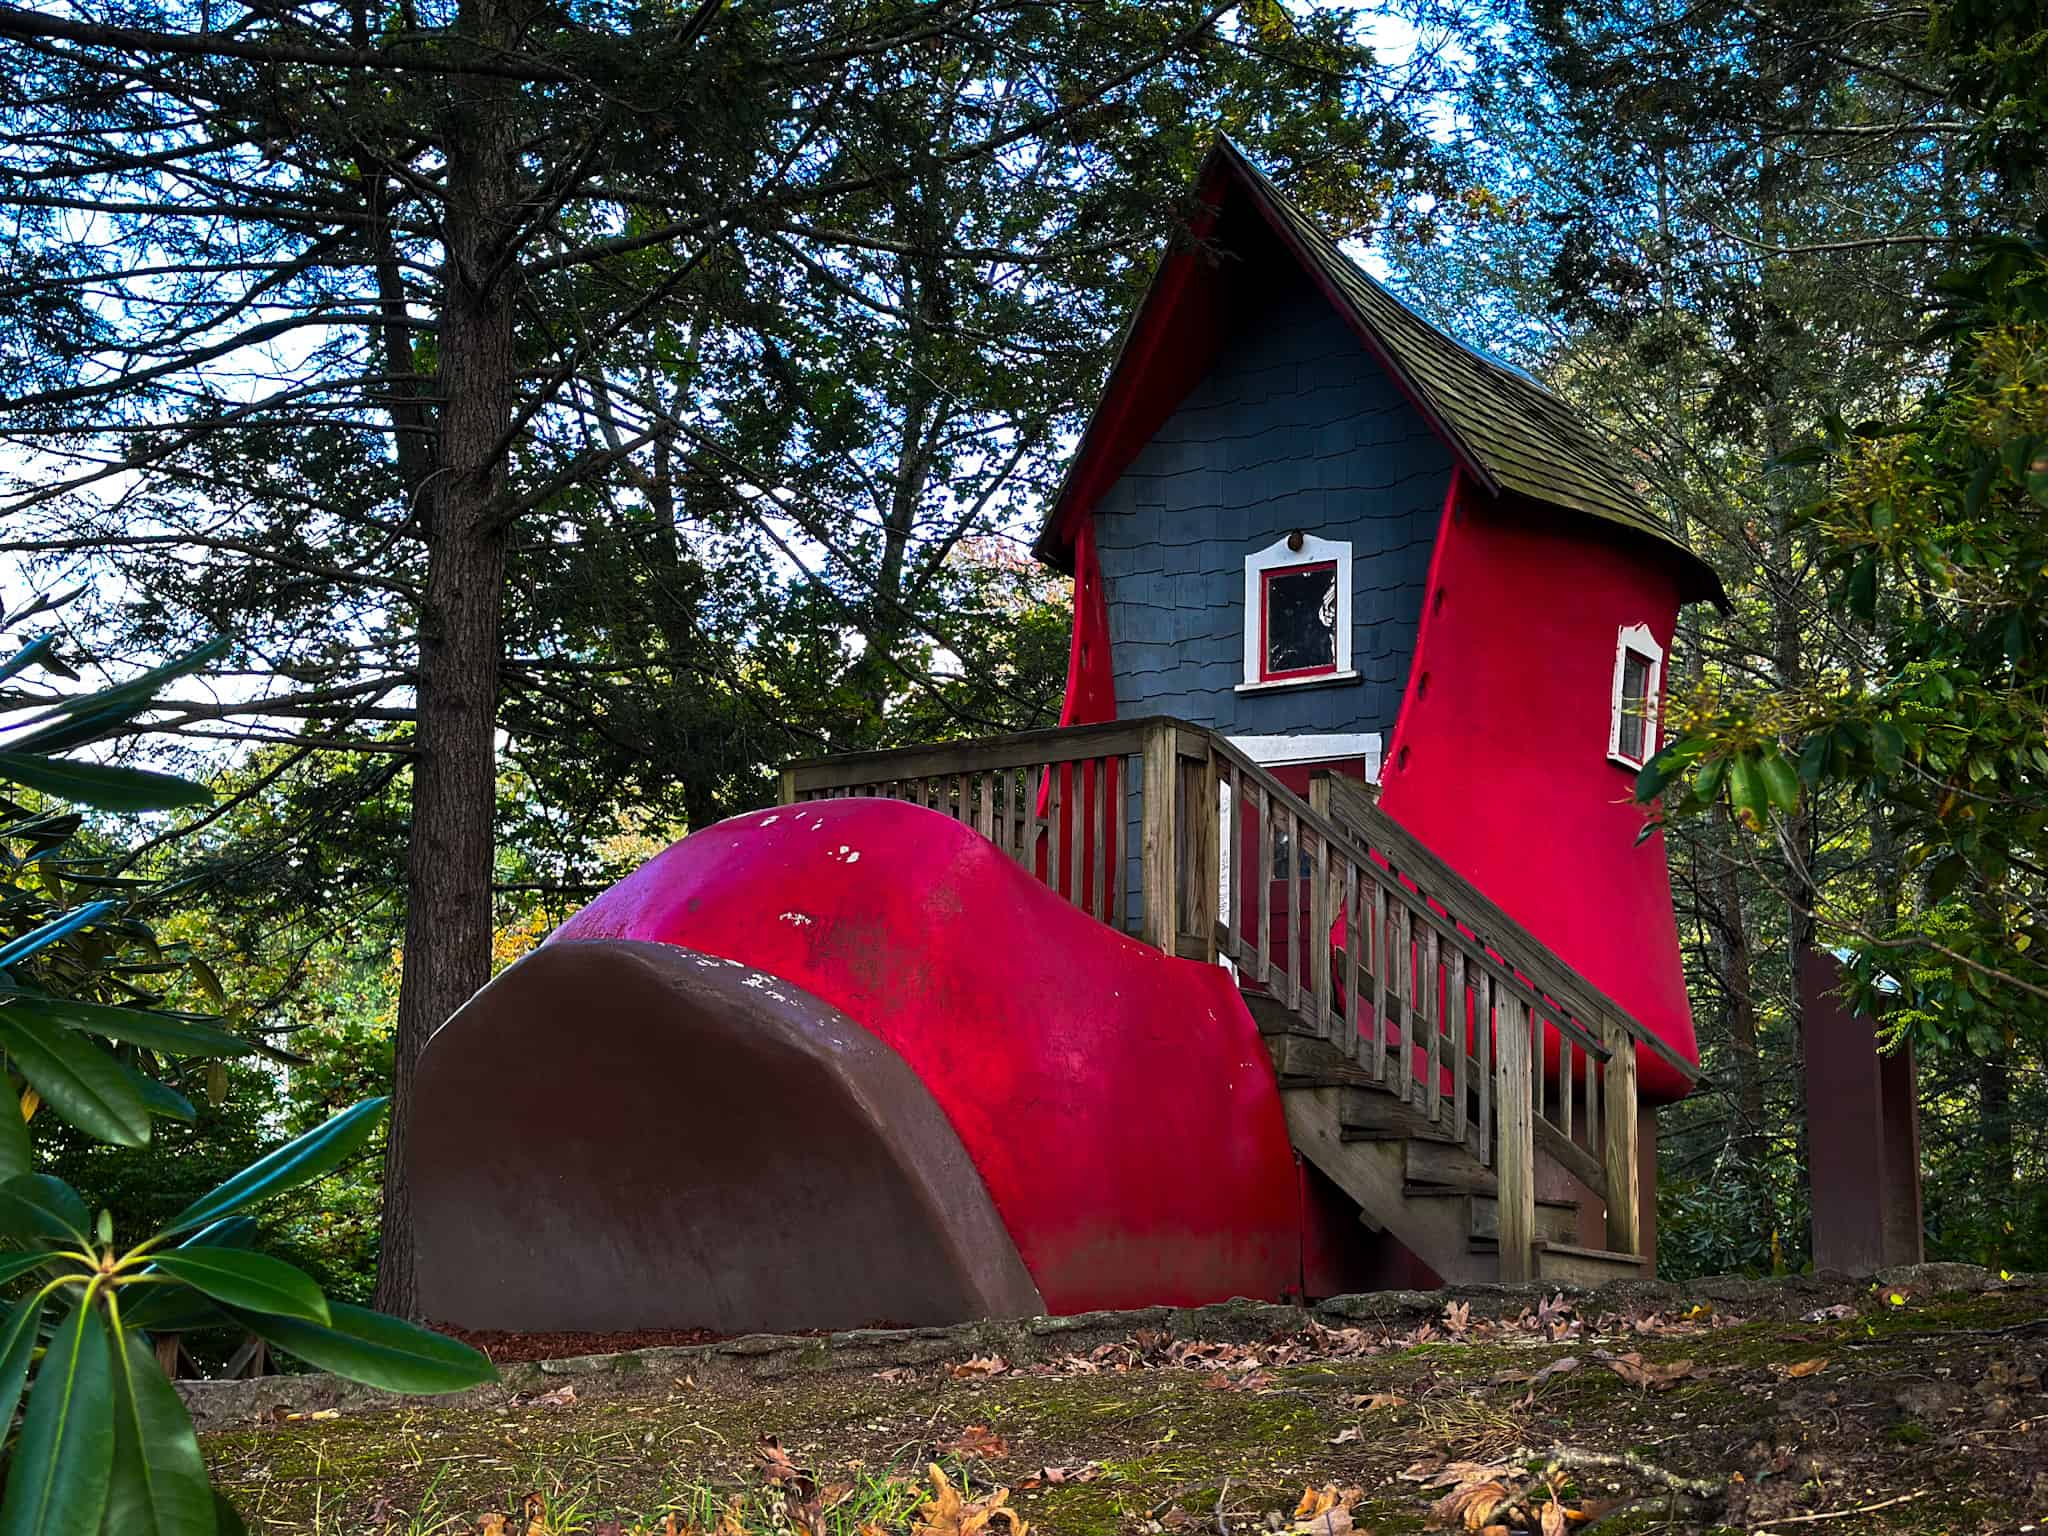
{"x":1901,"y":1412}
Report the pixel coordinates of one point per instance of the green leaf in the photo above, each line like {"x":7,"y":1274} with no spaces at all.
{"x":377,"y":1350}
{"x":17,"y":1347}
{"x":159,"y":1486}
{"x":78,"y":1080}
{"x":27,"y":656}
{"x":15,"y":1156}
{"x":319,"y":1151}
{"x":35,"y":1205}
{"x":1781,"y":782}
{"x":45,"y":934}
{"x":159,"y":1098}
{"x":228,"y":1520}
{"x":58,"y":1480}
{"x":103,"y":786}
{"x":1745,"y":788}
{"x":1708,"y":784}
{"x":1860,"y":591}
{"x":143,"y":686}
{"x":14,"y":1265}
{"x":151,"y":1031}
{"x":240,"y":1278}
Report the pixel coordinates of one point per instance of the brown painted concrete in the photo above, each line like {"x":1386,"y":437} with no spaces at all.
{"x":618,"y":1135}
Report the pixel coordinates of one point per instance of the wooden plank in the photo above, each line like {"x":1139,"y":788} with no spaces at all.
{"x":1098,"y":839}
{"x":1594,"y":1088}
{"x":1353,"y":934}
{"x":788,"y":793}
{"x":1261,"y":870}
{"x":1200,"y":875}
{"x":1316,"y":947}
{"x":1233,"y":919}
{"x":1618,"y":1148}
{"x":1076,"y":818}
{"x":1484,"y":1020}
{"x":1433,"y":1031}
{"x":1294,"y":924}
{"x":1066,"y":744}
{"x":1515,"y":1163}
{"x":1495,"y":929}
{"x":985,"y":805}
{"x":1055,"y":829}
{"x":1161,"y":846}
{"x":1565,"y":1086}
{"x":1379,"y":982}
{"x":1403,"y":966}
{"x":1461,"y":1042}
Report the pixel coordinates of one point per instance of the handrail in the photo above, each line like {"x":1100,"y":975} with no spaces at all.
{"x":1492,"y":926}
{"x":1020,"y":749}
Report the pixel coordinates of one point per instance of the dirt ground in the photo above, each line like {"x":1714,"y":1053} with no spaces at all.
{"x":1889,"y":1411}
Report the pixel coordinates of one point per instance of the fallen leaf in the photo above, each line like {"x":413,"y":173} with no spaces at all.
{"x":977,"y":1440}
{"x":1461,"y":1472}
{"x":1552,"y":1522}
{"x":1372,"y":1402}
{"x":561,"y":1397}
{"x":1326,"y":1511}
{"x":1347,"y":1436}
{"x":1807,"y":1367}
{"x":493,"y":1525}
{"x":947,"y":1514}
{"x":979,"y":1365}
{"x":1457,"y":1316}
{"x":897,"y":1373}
{"x":318,"y":1415}
{"x":1053,"y":1477}
{"x":776,"y":1467}
{"x":1470,"y":1505}
{"x":1648,"y":1374}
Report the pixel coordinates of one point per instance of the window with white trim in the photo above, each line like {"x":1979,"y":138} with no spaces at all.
{"x":1297,"y":610}
{"x":1638,"y":684}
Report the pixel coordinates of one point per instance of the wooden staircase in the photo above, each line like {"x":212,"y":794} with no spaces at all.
{"x":1472,"y":1094}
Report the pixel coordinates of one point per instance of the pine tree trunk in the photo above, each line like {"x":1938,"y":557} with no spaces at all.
{"x":449,"y":857}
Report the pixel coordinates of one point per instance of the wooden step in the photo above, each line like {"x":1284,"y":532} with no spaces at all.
{"x":1557,"y":1221}
{"x":1587,"y":1266}
{"x":1445,"y":1162}
{"x":1368,"y":1115}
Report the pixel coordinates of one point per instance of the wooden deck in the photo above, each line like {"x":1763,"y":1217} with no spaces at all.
{"x":1403,"y":1008}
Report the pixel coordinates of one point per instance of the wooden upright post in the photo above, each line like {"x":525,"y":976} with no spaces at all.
{"x":1202,"y":872}
{"x":1515,"y":1154}
{"x":789,"y":786}
{"x":1161,"y":851}
{"x":1618,"y":1142}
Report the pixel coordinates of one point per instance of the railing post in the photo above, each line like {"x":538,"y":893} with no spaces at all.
{"x":1161,"y":850}
{"x":1618,"y":1142}
{"x":1201,"y":871}
{"x":789,"y":786}
{"x":1515,"y":1152}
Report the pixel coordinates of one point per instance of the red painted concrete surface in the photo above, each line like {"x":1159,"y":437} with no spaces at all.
{"x":1499,"y":759}
{"x":1118,"y":1103}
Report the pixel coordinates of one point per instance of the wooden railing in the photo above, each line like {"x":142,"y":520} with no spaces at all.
{"x":1382,"y":950}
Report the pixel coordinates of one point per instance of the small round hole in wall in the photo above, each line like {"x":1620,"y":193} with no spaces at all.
{"x":1422,"y":686}
{"x":1401,"y":760}
{"x":1436,"y":604}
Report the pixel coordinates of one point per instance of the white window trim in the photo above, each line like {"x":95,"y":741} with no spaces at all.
{"x":1636,"y":638}
{"x":1277,"y":556}
{"x":1312,"y":747}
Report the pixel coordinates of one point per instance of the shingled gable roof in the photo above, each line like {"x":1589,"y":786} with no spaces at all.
{"x":1508,"y":432}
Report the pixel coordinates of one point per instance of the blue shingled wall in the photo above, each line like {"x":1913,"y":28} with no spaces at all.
{"x":1294,"y":427}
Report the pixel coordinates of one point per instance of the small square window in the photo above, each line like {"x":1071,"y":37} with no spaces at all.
{"x":1300,"y":614}
{"x":1638,"y":669}
{"x":1297,"y":613}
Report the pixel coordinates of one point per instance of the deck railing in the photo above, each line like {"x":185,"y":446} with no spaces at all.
{"x":1326,"y":906}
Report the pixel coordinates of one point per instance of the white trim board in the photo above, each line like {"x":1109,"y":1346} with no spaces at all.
{"x":1636,"y":638}
{"x":1312,"y":747}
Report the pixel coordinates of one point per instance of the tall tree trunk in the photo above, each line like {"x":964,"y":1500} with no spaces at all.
{"x":449,"y":857}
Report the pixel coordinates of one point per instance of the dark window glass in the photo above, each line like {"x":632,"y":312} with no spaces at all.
{"x":1301,"y":620}
{"x":1635,"y":687}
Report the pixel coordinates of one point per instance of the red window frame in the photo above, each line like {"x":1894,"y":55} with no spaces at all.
{"x":1266,"y":672}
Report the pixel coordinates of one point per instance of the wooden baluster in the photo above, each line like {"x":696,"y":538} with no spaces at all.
{"x":1317,"y":944}
{"x":1404,"y":993}
{"x":1233,"y":942}
{"x":1515,"y":1164}
{"x":1381,"y":950}
{"x":1055,"y":843}
{"x":1432,"y":1013}
{"x":985,"y":805}
{"x":1077,"y":826}
{"x":1294,"y":924}
{"x":1161,"y":853}
{"x":1593,"y":1091}
{"x":1461,"y":1043}
{"x":1618,"y":1146}
{"x":1262,"y":886}
{"x":1098,"y":829}
{"x":1354,"y":935}
{"x":1200,"y":875}
{"x":1536,"y":1073}
{"x":1485,"y":1023}
{"x":1566,"y":1053}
